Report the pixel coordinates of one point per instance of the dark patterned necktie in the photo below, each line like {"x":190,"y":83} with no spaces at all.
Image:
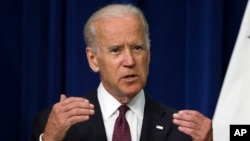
{"x":121,"y":129}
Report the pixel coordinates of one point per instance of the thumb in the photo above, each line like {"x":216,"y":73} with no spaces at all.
{"x":62,"y":97}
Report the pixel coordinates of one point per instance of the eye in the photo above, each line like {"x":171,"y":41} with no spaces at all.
{"x":115,"y":50}
{"x":138,"y":48}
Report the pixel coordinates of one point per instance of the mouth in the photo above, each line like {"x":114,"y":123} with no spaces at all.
{"x":130,"y":78}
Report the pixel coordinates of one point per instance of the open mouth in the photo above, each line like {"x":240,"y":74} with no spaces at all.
{"x":129,"y":77}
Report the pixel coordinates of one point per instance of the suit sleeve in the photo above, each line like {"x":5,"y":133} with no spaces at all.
{"x":38,"y":124}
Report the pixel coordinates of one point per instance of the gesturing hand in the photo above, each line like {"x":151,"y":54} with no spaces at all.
{"x":194,"y":124}
{"x":64,"y":114}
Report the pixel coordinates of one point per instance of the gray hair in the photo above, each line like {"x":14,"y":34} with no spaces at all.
{"x":113,"y":10}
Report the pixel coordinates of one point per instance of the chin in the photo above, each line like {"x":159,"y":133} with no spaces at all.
{"x":132,"y":91}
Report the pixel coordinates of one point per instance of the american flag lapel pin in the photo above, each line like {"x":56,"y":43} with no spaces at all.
{"x":159,"y":127}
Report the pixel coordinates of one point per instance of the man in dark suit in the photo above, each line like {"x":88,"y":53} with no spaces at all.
{"x":118,"y":48}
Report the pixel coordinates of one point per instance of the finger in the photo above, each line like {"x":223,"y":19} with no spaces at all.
{"x":185,"y":117}
{"x":79,"y":112}
{"x":188,"y":115}
{"x":74,"y":99}
{"x":76,"y":119}
{"x":189,"y":112}
{"x":186,"y":124}
{"x":78,"y":115}
{"x":77,"y":104}
{"x":62,"y":97}
{"x":188,"y":118}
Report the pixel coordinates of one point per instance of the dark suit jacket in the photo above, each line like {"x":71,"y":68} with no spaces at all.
{"x":94,"y":130}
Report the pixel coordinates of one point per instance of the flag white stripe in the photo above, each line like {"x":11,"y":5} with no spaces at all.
{"x":233,"y":106}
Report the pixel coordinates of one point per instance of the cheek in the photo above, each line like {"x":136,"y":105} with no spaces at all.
{"x":146,"y":61}
{"x":145,"y":68}
{"x":108,"y":69}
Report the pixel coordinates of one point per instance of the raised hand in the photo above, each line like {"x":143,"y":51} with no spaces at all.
{"x":194,"y":124}
{"x":64,"y":114}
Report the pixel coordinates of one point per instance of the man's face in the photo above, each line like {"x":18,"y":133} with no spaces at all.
{"x":122,"y":58}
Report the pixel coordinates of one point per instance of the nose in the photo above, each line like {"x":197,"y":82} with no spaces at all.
{"x":128,"y":59}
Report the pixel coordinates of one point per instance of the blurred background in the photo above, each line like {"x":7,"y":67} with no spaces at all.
{"x":42,"y":54}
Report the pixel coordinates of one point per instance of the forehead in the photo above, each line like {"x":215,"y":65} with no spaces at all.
{"x":119,"y":31}
{"x":118,"y":26}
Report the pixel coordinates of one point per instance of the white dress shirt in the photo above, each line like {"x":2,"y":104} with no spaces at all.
{"x":109,"y":108}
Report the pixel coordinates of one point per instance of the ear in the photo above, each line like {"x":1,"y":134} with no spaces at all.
{"x":92,"y":59}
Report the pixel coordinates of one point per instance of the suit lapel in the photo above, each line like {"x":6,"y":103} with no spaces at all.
{"x":94,"y":129}
{"x":156,"y":123}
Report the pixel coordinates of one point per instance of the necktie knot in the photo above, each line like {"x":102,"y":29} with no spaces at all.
{"x":123,"y":109}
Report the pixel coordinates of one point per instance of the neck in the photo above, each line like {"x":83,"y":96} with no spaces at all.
{"x":123,"y":99}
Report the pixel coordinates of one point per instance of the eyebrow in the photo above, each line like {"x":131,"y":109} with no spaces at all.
{"x":114,"y":46}
{"x":140,"y":43}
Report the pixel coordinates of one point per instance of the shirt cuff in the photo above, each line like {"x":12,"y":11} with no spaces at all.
{"x":40,"y":137}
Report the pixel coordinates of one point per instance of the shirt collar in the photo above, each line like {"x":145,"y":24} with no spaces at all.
{"x":109,"y":104}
